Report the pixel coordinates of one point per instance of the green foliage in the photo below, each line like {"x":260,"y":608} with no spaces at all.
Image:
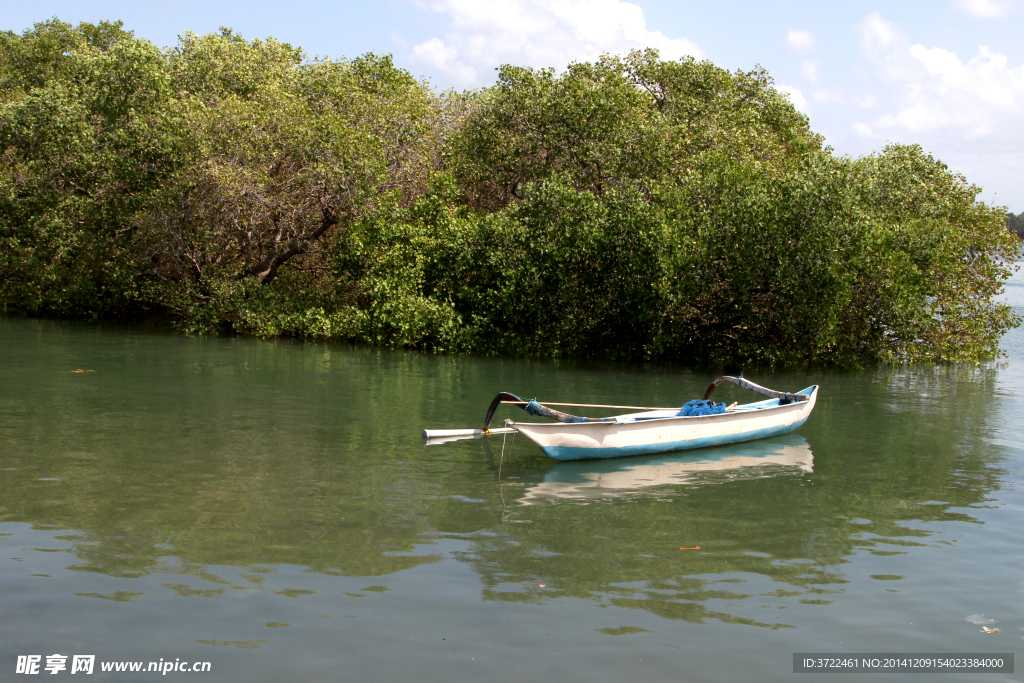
{"x":1015,"y":223}
{"x":564,"y":273}
{"x":887,"y":257}
{"x":85,"y":138}
{"x":635,"y":121}
{"x":629,"y":208}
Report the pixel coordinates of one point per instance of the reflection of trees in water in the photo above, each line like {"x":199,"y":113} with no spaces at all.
{"x":253,"y":511}
{"x":891,"y":450}
{"x":255,"y":455}
{"x":206,"y":459}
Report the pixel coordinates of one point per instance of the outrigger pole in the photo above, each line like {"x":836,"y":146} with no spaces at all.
{"x":535,"y":407}
{"x":783,"y":396}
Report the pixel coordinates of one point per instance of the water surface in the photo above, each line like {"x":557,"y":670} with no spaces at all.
{"x":270,"y":507}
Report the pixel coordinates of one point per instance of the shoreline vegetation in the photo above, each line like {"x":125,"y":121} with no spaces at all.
{"x":626,"y":209}
{"x":1015,"y":223}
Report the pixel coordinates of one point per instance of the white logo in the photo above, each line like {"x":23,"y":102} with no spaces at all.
{"x":83,"y":663}
{"x":28,"y":664}
{"x":55,"y":663}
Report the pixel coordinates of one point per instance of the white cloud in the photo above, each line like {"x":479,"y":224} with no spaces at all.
{"x":837,"y":96}
{"x":399,"y":40}
{"x":795,"y":96}
{"x":444,"y":58}
{"x":866,"y":101}
{"x":986,"y":9}
{"x":969,"y":112}
{"x":483,"y":34}
{"x":809,"y":70}
{"x":829,"y":96}
{"x":800,"y":40}
{"x":877,"y":35}
{"x":937,"y":92}
{"x":864,"y":130}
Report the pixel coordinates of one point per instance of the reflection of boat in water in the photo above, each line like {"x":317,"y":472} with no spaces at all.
{"x":593,"y":479}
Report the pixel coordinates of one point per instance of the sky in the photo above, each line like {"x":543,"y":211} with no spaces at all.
{"x":945,"y":74}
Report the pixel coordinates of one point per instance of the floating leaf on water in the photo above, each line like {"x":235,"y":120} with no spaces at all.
{"x":293,"y":592}
{"x":621,"y":631}
{"x":117,"y":596}
{"x":242,"y":644}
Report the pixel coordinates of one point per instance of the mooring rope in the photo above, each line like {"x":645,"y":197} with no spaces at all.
{"x":501,"y":460}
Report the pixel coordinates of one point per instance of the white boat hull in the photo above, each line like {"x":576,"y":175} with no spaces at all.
{"x":662,"y":432}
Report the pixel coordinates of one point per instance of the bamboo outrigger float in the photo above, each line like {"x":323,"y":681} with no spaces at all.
{"x":697,"y":424}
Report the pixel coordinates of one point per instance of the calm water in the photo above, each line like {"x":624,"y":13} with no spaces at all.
{"x":271,"y":508}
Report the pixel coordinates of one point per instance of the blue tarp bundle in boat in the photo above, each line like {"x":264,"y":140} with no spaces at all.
{"x":694,"y":408}
{"x":691,"y":409}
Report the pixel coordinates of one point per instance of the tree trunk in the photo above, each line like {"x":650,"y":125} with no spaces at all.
{"x":268,"y":269}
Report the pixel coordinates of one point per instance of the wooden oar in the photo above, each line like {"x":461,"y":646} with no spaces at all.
{"x":455,"y":434}
{"x":469,"y":433}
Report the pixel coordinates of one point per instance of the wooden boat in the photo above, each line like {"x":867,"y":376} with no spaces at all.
{"x":651,"y":430}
